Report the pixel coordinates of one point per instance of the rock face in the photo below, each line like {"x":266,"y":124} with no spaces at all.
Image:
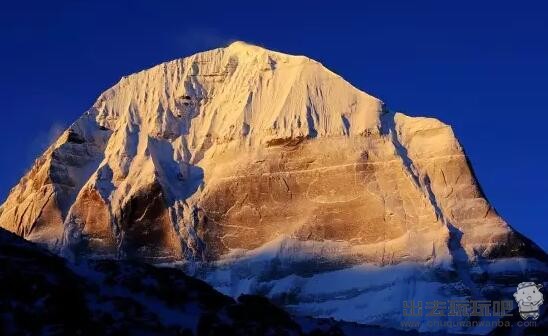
{"x":265,"y":172}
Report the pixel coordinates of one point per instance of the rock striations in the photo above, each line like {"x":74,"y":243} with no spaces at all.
{"x":267,"y":173}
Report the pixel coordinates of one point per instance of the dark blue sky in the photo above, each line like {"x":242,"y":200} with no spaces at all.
{"x":480,"y":66}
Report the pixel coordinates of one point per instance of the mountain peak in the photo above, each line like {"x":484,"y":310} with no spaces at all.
{"x":242,"y":45}
{"x":242,"y":48}
{"x":251,"y":91}
{"x":247,"y":50}
{"x":262,"y":162}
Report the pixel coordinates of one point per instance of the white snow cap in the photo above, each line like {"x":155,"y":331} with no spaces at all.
{"x":246,"y":90}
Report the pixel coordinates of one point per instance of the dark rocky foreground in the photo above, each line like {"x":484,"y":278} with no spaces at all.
{"x":40,"y":293}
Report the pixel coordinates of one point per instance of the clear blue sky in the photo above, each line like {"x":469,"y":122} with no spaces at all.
{"x":480,"y":66}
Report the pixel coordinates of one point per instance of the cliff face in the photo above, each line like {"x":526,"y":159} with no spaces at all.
{"x":242,"y":155}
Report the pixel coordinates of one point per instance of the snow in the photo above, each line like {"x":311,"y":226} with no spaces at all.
{"x":364,"y":293}
{"x":510,"y":266}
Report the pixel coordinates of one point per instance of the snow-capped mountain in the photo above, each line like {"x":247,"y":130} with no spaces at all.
{"x":262,"y":172}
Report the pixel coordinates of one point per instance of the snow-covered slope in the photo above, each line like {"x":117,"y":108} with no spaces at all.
{"x":265,"y":172}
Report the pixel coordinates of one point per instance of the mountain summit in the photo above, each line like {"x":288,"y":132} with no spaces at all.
{"x":267,"y":173}
{"x":130,"y":175}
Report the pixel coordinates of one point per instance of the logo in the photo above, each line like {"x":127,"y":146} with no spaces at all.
{"x":529,"y":299}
